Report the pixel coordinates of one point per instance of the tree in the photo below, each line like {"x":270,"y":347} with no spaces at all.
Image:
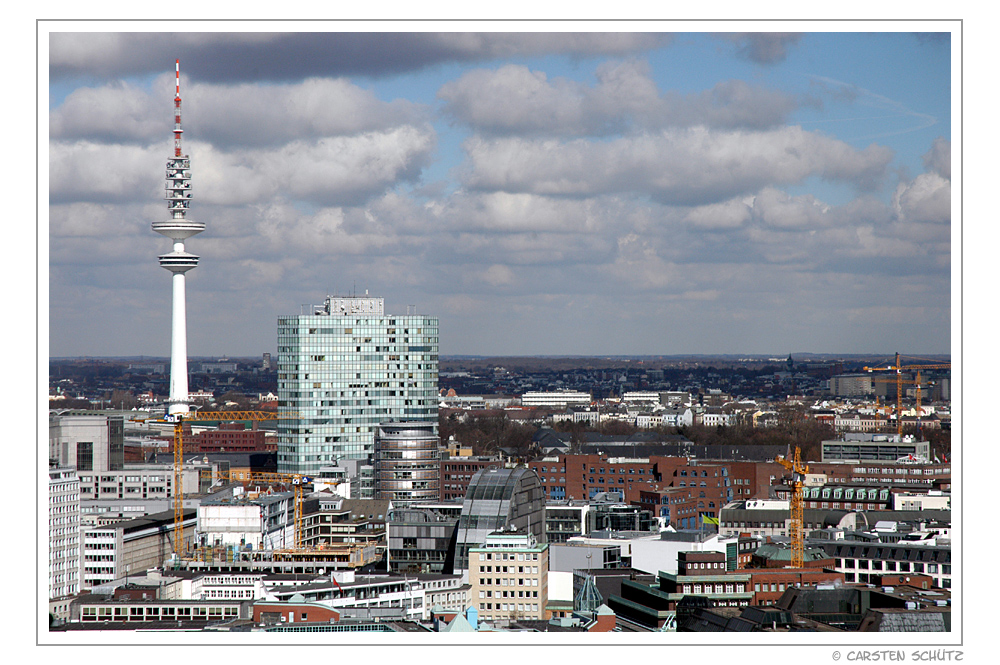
{"x":121,"y":399}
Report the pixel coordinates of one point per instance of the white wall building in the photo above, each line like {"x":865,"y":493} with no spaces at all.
{"x":509,"y":575}
{"x":933,"y":500}
{"x":116,"y":550}
{"x":641,"y":397}
{"x":64,"y":532}
{"x":560,"y":399}
{"x":137,"y":489}
{"x":649,"y":420}
{"x":266,"y":522}
{"x":86,"y":442}
{"x":369,"y":595}
{"x":678,"y":417}
{"x":716,"y":419}
{"x":659,"y":553}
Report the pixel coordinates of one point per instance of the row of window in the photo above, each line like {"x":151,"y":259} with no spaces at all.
{"x":228,"y":593}
{"x":156,"y":613}
{"x":846,"y":493}
{"x":508,"y":569}
{"x":509,"y":556}
{"x":510,"y":607}
{"x":727,"y":587}
{"x":489,"y":593}
{"x":705,"y":565}
{"x":893,"y":566}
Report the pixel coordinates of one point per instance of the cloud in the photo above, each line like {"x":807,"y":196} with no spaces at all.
{"x":117,"y":112}
{"x":498,"y":275}
{"x":87,"y":171}
{"x":633,"y":216}
{"x":927,"y":198}
{"x":229,"y":115}
{"x":762,"y":48}
{"x":938,"y":158}
{"x":726,"y":215}
{"x":330,"y":170}
{"x":777,"y":209}
{"x":513,"y":98}
{"x":683,"y":167}
{"x":263,"y":57}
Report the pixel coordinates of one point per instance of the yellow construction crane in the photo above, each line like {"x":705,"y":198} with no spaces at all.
{"x":878,"y":412}
{"x":889,"y":409}
{"x":296,"y":480}
{"x":178,"y":421}
{"x":898,"y":369}
{"x":799,"y":471}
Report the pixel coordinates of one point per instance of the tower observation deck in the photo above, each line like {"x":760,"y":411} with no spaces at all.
{"x":178,"y":228}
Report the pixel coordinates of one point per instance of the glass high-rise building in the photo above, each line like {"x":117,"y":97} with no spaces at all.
{"x":345,"y":368}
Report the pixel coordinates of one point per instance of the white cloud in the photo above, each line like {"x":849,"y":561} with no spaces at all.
{"x":117,"y":112}
{"x":498,"y":275}
{"x":681,"y":167}
{"x":777,"y":209}
{"x":513,"y":98}
{"x":87,"y":171}
{"x":249,"y":116}
{"x":726,"y":215}
{"x":927,"y":198}
{"x":938,"y":158}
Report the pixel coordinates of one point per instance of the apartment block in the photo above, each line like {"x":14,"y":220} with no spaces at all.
{"x":508,"y":577}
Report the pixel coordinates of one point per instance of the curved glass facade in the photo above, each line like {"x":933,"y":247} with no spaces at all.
{"x":407,"y":462}
{"x":499,"y":498}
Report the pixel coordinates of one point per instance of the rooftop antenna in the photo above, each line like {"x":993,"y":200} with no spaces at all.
{"x":177,"y":110}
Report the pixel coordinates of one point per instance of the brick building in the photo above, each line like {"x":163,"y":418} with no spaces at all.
{"x":456,"y":472}
{"x":230,"y":438}
{"x":906,"y":475}
{"x":703,"y":486}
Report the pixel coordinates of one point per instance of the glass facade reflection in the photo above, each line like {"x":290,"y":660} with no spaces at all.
{"x":407,"y":462}
{"x":499,"y":498}
{"x":343,"y":370}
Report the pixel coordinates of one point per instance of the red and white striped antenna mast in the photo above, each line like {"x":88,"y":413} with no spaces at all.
{"x":177,"y":112}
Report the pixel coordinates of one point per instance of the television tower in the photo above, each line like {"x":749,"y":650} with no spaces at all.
{"x":178,"y":262}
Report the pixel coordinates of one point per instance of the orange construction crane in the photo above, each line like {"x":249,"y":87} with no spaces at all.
{"x":898,"y":369}
{"x":296,"y":480}
{"x":799,"y":471}
{"x":178,"y":421}
{"x":878,"y":412}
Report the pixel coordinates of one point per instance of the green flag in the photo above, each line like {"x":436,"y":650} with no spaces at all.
{"x":710,"y":520}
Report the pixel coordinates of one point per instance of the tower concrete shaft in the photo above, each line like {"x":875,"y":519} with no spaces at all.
{"x":178,"y":228}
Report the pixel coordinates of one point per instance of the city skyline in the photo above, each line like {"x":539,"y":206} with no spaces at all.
{"x":539,"y":193}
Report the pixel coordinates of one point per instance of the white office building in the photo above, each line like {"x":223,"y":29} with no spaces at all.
{"x":64,"y":532}
{"x":86,"y":441}
{"x":345,"y":368}
{"x":560,"y":399}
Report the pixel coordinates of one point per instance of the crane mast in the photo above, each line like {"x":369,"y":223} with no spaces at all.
{"x":898,"y":369}
{"x":296,"y":480}
{"x":799,"y":472}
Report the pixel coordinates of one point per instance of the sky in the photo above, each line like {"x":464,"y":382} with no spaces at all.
{"x":541,"y":193}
